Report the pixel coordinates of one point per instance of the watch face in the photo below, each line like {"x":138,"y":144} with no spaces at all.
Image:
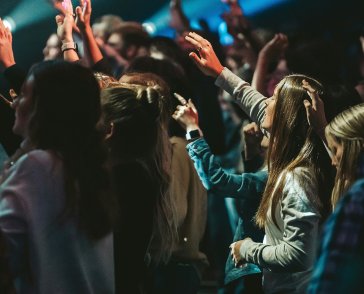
{"x":193,"y":135}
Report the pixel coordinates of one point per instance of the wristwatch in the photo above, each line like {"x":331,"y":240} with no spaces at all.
{"x":69,"y":46}
{"x":192,"y":135}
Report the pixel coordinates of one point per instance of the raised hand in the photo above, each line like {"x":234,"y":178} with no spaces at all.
{"x":178,"y":19}
{"x":186,"y":114}
{"x":315,"y":110}
{"x":83,"y":13}
{"x":65,"y":27}
{"x":236,"y":23}
{"x":6,"y":46}
{"x":274,"y":48}
{"x":206,"y":59}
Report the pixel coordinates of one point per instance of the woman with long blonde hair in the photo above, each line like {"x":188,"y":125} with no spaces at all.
{"x":345,"y":137}
{"x":338,"y":268}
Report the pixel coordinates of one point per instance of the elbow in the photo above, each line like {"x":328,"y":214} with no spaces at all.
{"x":299,"y":266}
{"x":299,"y":262}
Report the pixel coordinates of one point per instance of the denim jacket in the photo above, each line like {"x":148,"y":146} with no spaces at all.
{"x":247,"y":187}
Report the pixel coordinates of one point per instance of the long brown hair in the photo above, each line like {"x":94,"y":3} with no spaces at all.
{"x":347,"y":129}
{"x":293,"y":144}
{"x":137,"y":114}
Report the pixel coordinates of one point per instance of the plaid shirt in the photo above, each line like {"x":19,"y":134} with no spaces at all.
{"x":340,"y":266}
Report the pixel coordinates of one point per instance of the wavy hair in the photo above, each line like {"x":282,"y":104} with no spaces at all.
{"x":347,"y":129}
{"x":135,"y":112}
{"x":293,"y":144}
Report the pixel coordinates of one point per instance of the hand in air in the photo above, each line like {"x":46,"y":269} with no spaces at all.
{"x":186,"y":114}
{"x":6,"y":46}
{"x":274,"y":48}
{"x":206,"y":58}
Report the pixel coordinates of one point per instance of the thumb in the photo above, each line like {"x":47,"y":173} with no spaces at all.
{"x":79,"y":13}
{"x":190,"y":103}
{"x":59,"y":19}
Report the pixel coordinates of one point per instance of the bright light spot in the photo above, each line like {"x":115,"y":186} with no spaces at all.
{"x":195,"y":24}
{"x":225,"y":37}
{"x":150,"y":28}
{"x":9,"y":23}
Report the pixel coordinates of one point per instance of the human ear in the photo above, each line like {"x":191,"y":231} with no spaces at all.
{"x":109,"y":131}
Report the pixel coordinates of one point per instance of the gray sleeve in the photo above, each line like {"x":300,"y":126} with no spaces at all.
{"x":296,"y":251}
{"x":251,"y":101}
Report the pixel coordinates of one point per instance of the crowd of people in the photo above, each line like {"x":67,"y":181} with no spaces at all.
{"x":125,"y":170}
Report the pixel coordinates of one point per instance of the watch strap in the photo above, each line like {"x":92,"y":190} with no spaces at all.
{"x":192,"y":135}
{"x":69,"y":46}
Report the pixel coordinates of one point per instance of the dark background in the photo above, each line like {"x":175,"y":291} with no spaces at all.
{"x":344,"y":17}
{"x":337,"y":20}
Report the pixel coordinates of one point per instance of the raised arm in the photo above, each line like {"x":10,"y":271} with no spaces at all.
{"x":65,"y":24}
{"x":270,"y":52}
{"x":178,"y":19}
{"x":252,"y":102}
{"x":6,"y":49}
{"x":13,"y":73}
{"x":212,"y":176}
{"x":92,"y":50}
{"x":239,"y":27}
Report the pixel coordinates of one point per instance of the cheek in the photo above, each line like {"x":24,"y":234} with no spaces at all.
{"x":270,"y":110}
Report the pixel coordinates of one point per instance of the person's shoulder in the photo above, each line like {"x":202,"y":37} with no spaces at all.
{"x":356,"y":192}
{"x":300,"y":187}
{"x":301,"y":176}
{"x":38,"y":159}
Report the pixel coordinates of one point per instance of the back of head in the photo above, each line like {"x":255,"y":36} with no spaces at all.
{"x":103,"y":26}
{"x":134,"y":112}
{"x":347,"y":129}
{"x":67,"y":105}
{"x":140,"y":137}
{"x":65,"y":113}
{"x":132,"y":34}
{"x":154,"y":81}
{"x":172,"y":75}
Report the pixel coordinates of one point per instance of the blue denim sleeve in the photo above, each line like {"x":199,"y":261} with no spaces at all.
{"x":215,"y":179}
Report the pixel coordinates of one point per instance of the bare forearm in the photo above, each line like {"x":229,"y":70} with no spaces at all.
{"x":260,"y":75}
{"x":91,"y":48}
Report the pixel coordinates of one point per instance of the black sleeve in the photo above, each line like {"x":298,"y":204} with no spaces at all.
{"x":103,"y":66}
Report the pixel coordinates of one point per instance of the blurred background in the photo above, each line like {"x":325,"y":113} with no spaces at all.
{"x":32,"y":21}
